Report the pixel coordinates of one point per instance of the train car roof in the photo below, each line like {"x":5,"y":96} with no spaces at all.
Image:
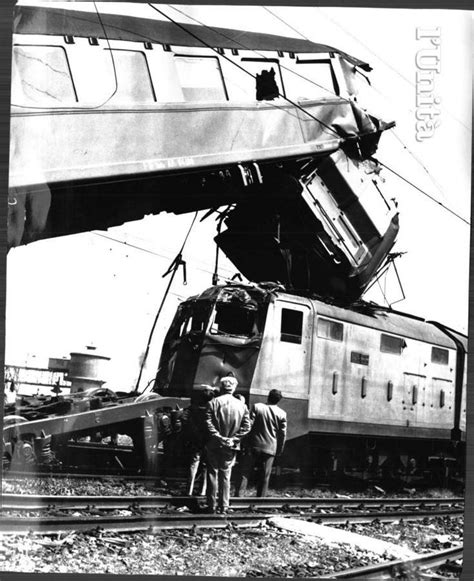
{"x":381,"y":318}
{"x":365,"y":314}
{"x":66,"y":22}
{"x":387,"y":321}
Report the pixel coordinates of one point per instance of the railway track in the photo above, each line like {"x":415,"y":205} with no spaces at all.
{"x":156,"y":513}
{"x":104,"y":476}
{"x":41,"y":502}
{"x":393,"y":569}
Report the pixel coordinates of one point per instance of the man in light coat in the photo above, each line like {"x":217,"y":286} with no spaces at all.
{"x":266,"y":440}
{"x":227,"y":422}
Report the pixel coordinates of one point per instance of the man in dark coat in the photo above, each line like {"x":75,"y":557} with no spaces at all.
{"x":266,"y":440}
{"x":196,"y":428}
{"x":228,"y":422}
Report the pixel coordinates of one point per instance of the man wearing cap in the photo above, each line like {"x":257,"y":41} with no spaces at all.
{"x":265,"y":441}
{"x":227,"y":422}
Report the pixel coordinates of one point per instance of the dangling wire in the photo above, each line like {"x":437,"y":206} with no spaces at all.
{"x":173,"y":269}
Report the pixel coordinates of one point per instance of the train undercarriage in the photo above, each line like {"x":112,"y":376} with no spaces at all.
{"x":149,"y":438}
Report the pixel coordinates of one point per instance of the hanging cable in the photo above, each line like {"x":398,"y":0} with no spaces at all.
{"x":422,"y":191}
{"x":173,"y":269}
{"x":196,"y":37}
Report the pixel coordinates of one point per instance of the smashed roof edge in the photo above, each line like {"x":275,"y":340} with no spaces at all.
{"x":66,"y":22}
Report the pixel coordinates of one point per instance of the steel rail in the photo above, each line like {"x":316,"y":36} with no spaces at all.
{"x":174,"y":520}
{"x":106,"y":475}
{"x":41,"y":502}
{"x":388,"y":569}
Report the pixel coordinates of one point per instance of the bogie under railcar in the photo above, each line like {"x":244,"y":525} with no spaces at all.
{"x":369,"y":391}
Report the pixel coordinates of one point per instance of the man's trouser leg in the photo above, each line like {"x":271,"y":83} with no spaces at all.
{"x":265,"y":470}
{"x":212,"y":471}
{"x":227,"y":460}
{"x":245,"y":469}
{"x":193,"y":468}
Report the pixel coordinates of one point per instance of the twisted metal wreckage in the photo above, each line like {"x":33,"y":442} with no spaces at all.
{"x":116,"y":117}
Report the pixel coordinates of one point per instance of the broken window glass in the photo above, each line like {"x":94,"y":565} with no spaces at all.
{"x":233,"y":319}
{"x":41,"y":75}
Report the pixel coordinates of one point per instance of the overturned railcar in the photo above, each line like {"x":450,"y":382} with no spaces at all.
{"x":114,"y":117}
{"x":367,"y":389}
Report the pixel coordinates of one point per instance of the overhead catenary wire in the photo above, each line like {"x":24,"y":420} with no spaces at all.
{"x":432,"y":198}
{"x":196,"y":37}
{"x":154,"y":253}
{"x":395,"y":70}
{"x":244,"y":47}
{"x":420,"y":162}
{"x":285,"y":23}
{"x":394,"y":133}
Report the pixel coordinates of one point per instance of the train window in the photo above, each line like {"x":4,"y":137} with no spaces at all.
{"x":133,"y":76}
{"x":440,"y":356}
{"x":330,"y":329}
{"x":191,"y":319}
{"x":360,"y":358}
{"x":312,"y":79}
{"x":291,"y":326}
{"x":42,"y":76}
{"x":233,"y":319}
{"x":200,"y":78}
{"x":267,"y":83}
{"x":391,"y":344}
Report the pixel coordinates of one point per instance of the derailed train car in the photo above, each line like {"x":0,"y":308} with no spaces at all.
{"x":114,"y":117}
{"x":369,"y":391}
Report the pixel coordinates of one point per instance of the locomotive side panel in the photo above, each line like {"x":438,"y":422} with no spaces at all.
{"x":371,"y":381}
{"x":284,"y":361}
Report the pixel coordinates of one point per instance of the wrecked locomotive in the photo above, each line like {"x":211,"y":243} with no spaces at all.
{"x":299,"y":184}
{"x":368,"y":390}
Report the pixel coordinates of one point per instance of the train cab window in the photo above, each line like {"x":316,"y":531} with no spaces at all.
{"x":134,"y":82}
{"x":291,"y":330}
{"x":41,"y":76}
{"x":193,"y":320}
{"x":391,"y":344}
{"x":234,"y":319}
{"x":267,"y":83}
{"x":200,"y":78}
{"x":330,"y":329}
{"x":312,"y":79}
{"x":440,"y":356}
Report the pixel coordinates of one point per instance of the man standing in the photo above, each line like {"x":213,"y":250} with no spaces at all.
{"x":266,"y":440}
{"x":196,"y":428}
{"x":227,"y":422}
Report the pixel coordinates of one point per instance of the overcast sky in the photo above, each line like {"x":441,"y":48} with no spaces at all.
{"x":65,"y":293}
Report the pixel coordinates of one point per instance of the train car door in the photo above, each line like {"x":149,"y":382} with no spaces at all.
{"x":285,"y":357}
